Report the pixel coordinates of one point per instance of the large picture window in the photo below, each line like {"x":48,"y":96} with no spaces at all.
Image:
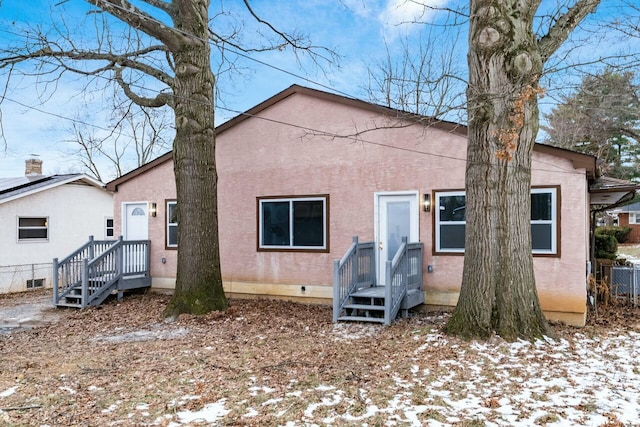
{"x":33,"y":228}
{"x":450,"y":221}
{"x":293,"y":223}
{"x":172,"y":224}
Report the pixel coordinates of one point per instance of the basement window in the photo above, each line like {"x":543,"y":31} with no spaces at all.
{"x":35,"y":283}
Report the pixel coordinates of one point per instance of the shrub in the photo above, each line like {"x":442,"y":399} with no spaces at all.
{"x":620,"y":233}
{"x":606,"y":246}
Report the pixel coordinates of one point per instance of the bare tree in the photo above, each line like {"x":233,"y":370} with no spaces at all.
{"x":132,"y":136}
{"x":422,"y":78}
{"x":159,"y":54}
{"x":506,"y":59}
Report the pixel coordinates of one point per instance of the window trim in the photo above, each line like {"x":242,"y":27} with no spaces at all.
{"x":167,"y":224}
{"x":34,"y":239}
{"x":555,"y":221}
{"x":272,"y":248}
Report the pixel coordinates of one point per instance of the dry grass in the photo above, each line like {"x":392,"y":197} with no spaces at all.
{"x":120,"y":364}
{"x":629,"y":250}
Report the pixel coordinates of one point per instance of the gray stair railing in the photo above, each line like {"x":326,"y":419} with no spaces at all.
{"x":97,"y":271}
{"x":354,"y":271}
{"x":403,"y":273}
{"x":68,"y":273}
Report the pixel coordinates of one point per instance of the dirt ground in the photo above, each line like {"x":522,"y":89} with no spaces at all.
{"x":121,"y":364}
{"x":26,"y":310}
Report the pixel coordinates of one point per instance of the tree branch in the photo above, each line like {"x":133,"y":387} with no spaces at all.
{"x":559,"y":32}
{"x":136,"y":18}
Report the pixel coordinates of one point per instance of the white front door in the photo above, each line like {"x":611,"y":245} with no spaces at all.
{"x":396,"y":217}
{"x":136,"y":221}
{"x":135,"y":226}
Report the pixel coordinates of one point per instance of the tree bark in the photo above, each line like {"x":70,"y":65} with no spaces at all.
{"x":498,"y":292}
{"x":199,"y":281}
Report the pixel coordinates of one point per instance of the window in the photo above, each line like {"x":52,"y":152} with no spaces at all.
{"x":33,"y":228}
{"x":543,"y":220}
{"x":172,"y":224}
{"x":634,"y":217}
{"x":35,"y":283}
{"x":293,"y":223}
{"x":108,"y":227}
{"x":450,"y":221}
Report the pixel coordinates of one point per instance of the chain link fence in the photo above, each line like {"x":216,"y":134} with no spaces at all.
{"x":20,"y":278}
{"x":625,"y":282}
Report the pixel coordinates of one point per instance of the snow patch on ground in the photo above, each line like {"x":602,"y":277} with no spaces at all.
{"x":495,"y":383}
{"x":354,"y":331}
{"x":157,"y":333}
{"x":8,"y":392}
{"x":211,"y":413}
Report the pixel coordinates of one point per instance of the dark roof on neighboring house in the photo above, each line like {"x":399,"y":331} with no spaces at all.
{"x":14,"y":188}
{"x":633,"y":207}
{"x":579,"y":160}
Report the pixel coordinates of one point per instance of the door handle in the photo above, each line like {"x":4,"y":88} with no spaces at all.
{"x":380,"y":245}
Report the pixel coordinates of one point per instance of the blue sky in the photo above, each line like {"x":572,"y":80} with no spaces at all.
{"x":39,"y":123}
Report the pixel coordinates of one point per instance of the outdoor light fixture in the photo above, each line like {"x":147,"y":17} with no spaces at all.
{"x":426,"y":202}
{"x":153,"y":210}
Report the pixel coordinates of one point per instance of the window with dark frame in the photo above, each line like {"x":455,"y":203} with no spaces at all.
{"x":451,"y":221}
{"x":172,"y":224}
{"x":298,"y":223}
{"x":108,"y":227}
{"x":33,"y":228}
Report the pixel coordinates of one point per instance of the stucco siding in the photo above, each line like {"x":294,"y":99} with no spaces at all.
{"x":350,"y":154}
{"x":155,"y":186}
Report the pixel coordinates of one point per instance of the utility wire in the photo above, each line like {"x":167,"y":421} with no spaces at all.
{"x":246,"y":56}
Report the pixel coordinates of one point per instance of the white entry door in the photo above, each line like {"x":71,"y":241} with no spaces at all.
{"x":135,"y":226}
{"x":396,"y":217}
{"x":136,"y":221}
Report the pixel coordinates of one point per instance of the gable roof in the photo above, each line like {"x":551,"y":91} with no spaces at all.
{"x":15,"y":188}
{"x":579,"y":160}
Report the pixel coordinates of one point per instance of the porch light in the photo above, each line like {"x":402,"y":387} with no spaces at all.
{"x":153,"y":210}
{"x":426,"y":202}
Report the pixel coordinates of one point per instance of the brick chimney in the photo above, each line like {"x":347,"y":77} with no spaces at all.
{"x":33,"y":167}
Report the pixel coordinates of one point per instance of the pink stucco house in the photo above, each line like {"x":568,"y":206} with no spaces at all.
{"x":304,"y":171}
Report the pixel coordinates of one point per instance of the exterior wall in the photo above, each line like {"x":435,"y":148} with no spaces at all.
{"x":74,"y":211}
{"x":155,"y":186}
{"x":623,"y":221}
{"x":258,"y":158}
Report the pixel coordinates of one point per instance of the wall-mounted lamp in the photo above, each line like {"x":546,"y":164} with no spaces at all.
{"x":426,"y":202}
{"x":153,"y":210}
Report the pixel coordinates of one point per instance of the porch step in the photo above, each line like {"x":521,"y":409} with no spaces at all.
{"x":68,"y":305}
{"x":361,"y":319}
{"x":365,"y":307}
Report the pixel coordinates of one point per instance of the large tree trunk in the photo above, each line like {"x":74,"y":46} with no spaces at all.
{"x":498,"y":290}
{"x":199,"y":281}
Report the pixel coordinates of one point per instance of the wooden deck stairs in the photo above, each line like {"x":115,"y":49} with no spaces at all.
{"x":357,"y":296}
{"x":99,"y":269}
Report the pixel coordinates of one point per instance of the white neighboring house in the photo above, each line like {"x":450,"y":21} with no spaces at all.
{"x":45,"y":217}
